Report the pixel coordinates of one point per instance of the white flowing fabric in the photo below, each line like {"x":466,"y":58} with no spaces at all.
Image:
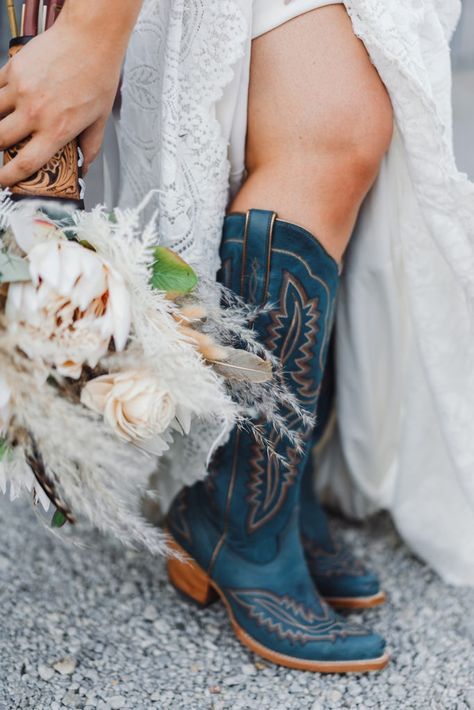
{"x":406,"y":316}
{"x":268,"y":14}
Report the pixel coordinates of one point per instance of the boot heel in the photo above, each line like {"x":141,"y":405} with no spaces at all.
{"x":189,"y":579}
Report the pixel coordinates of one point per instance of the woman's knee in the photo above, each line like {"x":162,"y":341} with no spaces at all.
{"x":343,"y":156}
{"x":316,"y":99}
{"x":359,"y":138}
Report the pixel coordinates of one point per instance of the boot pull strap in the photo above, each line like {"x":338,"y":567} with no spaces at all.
{"x":256,"y":255}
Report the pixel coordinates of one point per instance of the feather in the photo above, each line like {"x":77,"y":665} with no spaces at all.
{"x":243,"y":366}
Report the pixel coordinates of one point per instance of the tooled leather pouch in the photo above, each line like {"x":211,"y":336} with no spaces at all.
{"x":61,"y":177}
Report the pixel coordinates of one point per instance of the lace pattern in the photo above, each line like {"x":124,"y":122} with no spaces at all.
{"x":179,"y":61}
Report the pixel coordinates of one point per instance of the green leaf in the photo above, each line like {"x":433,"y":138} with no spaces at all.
{"x":13,"y":268}
{"x":59,"y":519}
{"x":3,"y":448}
{"x":170,"y":273}
{"x":87,"y":245}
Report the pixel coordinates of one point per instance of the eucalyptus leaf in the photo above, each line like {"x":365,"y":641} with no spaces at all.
{"x":59,"y":519}
{"x":170,"y":273}
{"x":13,"y":268}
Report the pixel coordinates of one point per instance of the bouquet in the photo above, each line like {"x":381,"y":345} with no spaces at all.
{"x":110,"y":344}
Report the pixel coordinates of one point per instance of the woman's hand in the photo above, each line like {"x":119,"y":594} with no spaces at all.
{"x":62,"y":85}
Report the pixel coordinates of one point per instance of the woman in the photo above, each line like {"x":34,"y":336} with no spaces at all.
{"x":319,"y":123}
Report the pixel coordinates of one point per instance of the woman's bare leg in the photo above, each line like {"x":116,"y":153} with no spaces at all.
{"x":320,"y":121}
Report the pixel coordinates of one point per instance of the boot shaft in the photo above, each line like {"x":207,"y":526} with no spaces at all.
{"x":269,"y":261}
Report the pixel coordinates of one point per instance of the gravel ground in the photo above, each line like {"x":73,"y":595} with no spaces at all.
{"x":96,"y":626}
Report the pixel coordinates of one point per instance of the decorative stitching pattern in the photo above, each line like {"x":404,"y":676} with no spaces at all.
{"x":291,"y":620}
{"x":292,"y":332}
{"x":332,"y":564}
{"x":253,"y":280}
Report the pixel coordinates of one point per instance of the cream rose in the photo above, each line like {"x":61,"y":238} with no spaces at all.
{"x":135,"y":405}
{"x":72,"y":308}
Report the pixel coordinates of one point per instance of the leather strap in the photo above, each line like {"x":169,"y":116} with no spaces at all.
{"x":256,"y":255}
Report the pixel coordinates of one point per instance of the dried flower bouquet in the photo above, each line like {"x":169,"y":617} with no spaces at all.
{"x":109,"y":343}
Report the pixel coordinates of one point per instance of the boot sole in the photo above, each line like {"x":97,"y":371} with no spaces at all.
{"x":357,"y":602}
{"x":193,"y":582}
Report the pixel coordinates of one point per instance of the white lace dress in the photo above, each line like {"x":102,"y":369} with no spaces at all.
{"x":406,"y":317}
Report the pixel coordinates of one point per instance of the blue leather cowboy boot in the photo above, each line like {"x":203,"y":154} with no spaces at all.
{"x":339,"y":576}
{"x":238,"y":531}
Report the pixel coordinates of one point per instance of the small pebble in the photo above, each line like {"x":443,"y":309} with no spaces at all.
{"x":335,"y":696}
{"x":249,"y":669}
{"x":150,"y":613}
{"x":117,"y":702}
{"x":45,"y":672}
{"x":66,"y":666}
{"x":233,"y":680}
{"x":161,"y":626}
{"x":72,"y":700}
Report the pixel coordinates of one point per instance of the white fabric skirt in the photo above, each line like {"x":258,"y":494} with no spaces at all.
{"x":268,"y":14}
{"x":406,"y":317}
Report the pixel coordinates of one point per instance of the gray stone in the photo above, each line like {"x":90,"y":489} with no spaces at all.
{"x":45,"y":672}
{"x":72,"y":700}
{"x":150,"y":613}
{"x":66,"y":666}
{"x":249,"y":669}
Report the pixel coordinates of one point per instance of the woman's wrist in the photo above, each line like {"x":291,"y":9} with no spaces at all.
{"x":95,"y":19}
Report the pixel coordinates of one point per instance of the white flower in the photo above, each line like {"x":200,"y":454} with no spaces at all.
{"x":74,"y":305}
{"x":5,"y":397}
{"x":135,"y":405}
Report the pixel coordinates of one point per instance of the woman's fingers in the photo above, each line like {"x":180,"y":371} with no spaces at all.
{"x":13,"y":129}
{"x":33,"y":156}
{"x":3,"y":76}
{"x":7,"y":101}
{"x":90,"y":143}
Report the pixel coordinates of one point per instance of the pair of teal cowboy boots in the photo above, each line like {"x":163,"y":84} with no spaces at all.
{"x":253,"y":533}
